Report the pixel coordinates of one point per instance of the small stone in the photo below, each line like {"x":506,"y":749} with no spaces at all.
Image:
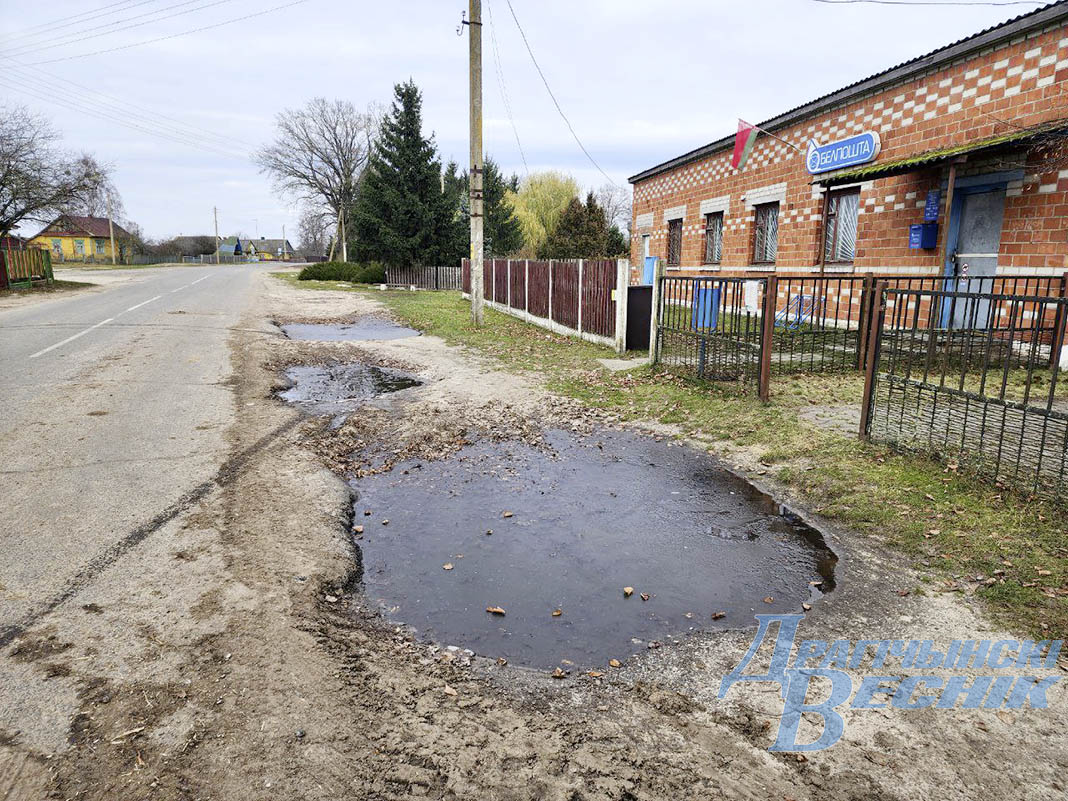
{"x":628,"y":591}
{"x":385,"y":522}
{"x":614,"y":663}
{"x":506,"y":514}
{"x":300,"y":734}
{"x":357,"y":529}
{"x":489,"y":531}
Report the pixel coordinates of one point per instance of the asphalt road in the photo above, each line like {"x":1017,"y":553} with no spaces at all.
{"x":114,"y":406}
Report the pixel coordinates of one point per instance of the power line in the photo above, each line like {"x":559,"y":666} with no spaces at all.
{"x":936,"y":2}
{"x":79,"y":38}
{"x":149,"y":119}
{"x":76,"y":19}
{"x":171,"y":36}
{"x":551,"y":95}
{"x":504,"y":91}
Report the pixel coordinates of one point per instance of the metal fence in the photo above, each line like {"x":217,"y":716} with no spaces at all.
{"x":972,"y":377}
{"x":586,"y":298}
{"x":713,"y":329}
{"x":426,"y":277}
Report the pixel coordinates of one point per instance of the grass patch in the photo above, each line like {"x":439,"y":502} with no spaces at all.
{"x":962,"y":534}
{"x":56,"y":286}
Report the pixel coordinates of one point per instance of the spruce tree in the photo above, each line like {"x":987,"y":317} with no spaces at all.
{"x":401,"y":216}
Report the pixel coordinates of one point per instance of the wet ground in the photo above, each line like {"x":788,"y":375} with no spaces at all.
{"x":367,"y":328}
{"x":570,"y":530}
{"x":341,"y":388}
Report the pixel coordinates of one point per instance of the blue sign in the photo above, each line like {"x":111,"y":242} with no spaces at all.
{"x":930,"y":208}
{"x":848,"y":152}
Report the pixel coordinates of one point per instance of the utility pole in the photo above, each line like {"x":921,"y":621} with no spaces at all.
{"x":283,"y":243}
{"x":474,"y":33}
{"x":344,"y":244}
{"x":111,"y":230}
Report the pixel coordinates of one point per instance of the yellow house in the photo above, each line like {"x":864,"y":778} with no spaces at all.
{"x":85,"y":239}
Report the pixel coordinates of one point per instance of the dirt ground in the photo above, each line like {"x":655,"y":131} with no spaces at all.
{"x":237,"y":659}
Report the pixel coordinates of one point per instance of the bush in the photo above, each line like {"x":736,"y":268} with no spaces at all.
{"x":372,"y":273}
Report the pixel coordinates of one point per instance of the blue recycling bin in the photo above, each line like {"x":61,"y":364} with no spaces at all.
{"x":705,"y":310}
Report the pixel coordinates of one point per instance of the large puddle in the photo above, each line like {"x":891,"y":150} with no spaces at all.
{"x":700,"y":547}
{"x":341,"y":388}
{"x":368,"y":328}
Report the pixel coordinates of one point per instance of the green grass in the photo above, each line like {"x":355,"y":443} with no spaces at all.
{"x":963,"y":535}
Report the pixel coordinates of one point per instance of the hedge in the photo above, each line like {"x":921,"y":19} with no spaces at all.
{"x":371,"y":273}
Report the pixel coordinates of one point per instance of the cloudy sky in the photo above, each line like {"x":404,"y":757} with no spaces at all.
{"x":640,"y":81}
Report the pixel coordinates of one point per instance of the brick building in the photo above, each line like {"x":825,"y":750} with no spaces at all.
{"x":977,"y":125}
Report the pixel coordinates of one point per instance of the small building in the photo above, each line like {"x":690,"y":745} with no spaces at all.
{"x":954,"y":162}
{"x":72,"y":237}
{"x":269,"y":249}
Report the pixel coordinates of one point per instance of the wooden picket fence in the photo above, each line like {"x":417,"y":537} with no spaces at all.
{"x":425,"y":277}
{"x":20,"y":268}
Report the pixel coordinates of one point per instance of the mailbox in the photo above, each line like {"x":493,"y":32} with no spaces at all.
{"x":923,"y":236}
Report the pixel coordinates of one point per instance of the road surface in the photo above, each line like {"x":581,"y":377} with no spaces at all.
{"x":114,"y":404}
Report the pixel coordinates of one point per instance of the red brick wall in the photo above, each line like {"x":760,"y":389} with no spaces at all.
{"x":1022,"y":82}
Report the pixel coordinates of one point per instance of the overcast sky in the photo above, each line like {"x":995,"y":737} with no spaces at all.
{"x":640,"y":81}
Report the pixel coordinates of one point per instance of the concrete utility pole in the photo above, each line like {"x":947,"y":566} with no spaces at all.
{"x":215,"y":209}
{"x":283,"y":243}
{"x":111,"y":231}
{"x":344,"y":244}
{"x":475,"y":180}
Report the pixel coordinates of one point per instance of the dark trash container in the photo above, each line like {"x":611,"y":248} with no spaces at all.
{"x":639,"y":313}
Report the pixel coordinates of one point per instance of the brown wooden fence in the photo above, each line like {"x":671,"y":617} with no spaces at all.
{"x":579,"y":297}
{"x":20,"y":268}
{"x":424,"y":277}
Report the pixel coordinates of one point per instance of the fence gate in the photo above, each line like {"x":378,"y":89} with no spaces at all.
{"x":712,"y":328}
{"x":981,"y":388}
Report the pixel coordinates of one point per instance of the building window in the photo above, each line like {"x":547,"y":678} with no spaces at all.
{"x":645,"y":245}
{"x":713,"y":237}
{"x":840,"y":230}
{"x":766,"y":239}
{"x":57,"y":247}
{"x":79,"y":247}
{"x":674,"y":253}
{"x":101,"y":244}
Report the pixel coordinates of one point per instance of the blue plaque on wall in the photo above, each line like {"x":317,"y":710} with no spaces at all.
{"x":930,"y":208}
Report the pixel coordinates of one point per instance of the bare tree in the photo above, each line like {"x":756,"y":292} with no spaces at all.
{"x":103,"y":198}
{"x":616,"y":200}
{"x":314,"y":229}
{"x":320,"y":153}
{"x":38,"y":181}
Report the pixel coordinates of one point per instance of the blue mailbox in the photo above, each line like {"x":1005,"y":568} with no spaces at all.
{"x":923,"y":236}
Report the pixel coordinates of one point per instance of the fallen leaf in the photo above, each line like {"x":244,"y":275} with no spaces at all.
{"x":331,"y":599}
{"x":1045,"y":572}
{"x":934,"y":532}
{"x":595,"y":674}
{"x":506,"y":514}
{"x":449,"y":690}
{"x":559,"y":673}
{"x":718,"y":615}
{"x":385,"y":522}
{"x":447,"y":566}
{"x":769,"y":600}
{"x":495,"y":610}
{"x":557,"y":612}
{"x":614,"y":663}
{"x":489,"y":531}
{"x":645,"y":596}
{"x":807,"y":607}
{"x":628,"y":591}
{"x":357,"y":529}
{"x":502,"y":661}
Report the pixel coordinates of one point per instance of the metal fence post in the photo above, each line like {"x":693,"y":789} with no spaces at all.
{"x":767,"y":331}
{"x":1059,"y":319}
{"x":871,"y":357}
{"x":654,"y":312}
{"x":621,"y":293}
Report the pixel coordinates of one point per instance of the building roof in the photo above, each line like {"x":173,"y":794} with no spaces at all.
{"x":931,"y":157}
{"x":1052,"y":13}
{"x":75,"y":225}
{"x":271,"y":245}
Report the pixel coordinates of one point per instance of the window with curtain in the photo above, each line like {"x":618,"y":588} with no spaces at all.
{"x":840,"y":228}
{"x":766,"y":238}
{"x":713,"y":237}
{"x":674,"y":254}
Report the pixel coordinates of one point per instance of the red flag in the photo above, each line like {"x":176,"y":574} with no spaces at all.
{"x":743,"y":143}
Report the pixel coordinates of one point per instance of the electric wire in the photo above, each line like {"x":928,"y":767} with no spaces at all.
{"x":593,"y":161}
{"x":503,"y":88}
{"x":77,"y":19}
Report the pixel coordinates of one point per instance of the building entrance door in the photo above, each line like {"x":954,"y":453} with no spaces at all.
{"x":974,"y":258}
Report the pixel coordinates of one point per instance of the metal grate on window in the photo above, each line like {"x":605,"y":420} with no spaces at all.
{"x":766,"y":240}
{"x":674,"y":256}
{"x":713,"y":237}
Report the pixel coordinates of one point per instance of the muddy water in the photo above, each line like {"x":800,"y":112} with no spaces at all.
{"x":369,"y":328}
{"x":604,"y":512}
{"x":341,"y":388}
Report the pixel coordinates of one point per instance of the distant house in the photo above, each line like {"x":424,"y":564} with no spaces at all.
{"x":269,"y":249}
{"x":74,"y":238}
{"x":231,"y":246}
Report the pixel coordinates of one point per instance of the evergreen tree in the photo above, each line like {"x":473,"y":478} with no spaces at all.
{"x":582,"y":232}
{"x":456,"y":242}
{"x":401,"y":216}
